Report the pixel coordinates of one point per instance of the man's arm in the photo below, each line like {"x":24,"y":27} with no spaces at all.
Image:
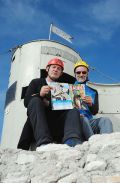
{"x":37,"y":88}
{"x":32,"y":91}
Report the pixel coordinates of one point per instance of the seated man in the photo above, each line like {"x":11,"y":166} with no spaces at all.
{"x":98,"y":125}
{"x":47,"y":125}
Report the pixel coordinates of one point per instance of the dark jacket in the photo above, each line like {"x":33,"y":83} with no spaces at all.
{"x":34,"y":88}
{"x":95,"y":107}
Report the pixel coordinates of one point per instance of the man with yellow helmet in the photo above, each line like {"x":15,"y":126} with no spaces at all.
{"x":91,"y":125}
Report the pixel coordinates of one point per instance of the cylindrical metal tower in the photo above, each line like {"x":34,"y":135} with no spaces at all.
{"x":29,"y":62}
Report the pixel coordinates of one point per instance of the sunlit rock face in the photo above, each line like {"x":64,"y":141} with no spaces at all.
{"x":95,"y":161}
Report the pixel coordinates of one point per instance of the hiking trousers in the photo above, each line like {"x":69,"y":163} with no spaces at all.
{"x":50,"y":126}
{"x":101,"y":125}
{"x":96,"y":126}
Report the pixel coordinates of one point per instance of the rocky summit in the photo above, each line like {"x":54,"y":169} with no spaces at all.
{"x":95,"y":161}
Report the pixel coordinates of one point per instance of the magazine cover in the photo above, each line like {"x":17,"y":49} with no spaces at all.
{"x":77,"y":92}
{"x":60,"y":96}
{"x":67,"y":96}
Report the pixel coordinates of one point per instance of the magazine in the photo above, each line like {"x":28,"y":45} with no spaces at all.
{"x":77,"y":92}
{"x":67,"y":96}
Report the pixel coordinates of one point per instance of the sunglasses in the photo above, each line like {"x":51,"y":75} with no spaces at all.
{"x":79,"y":72}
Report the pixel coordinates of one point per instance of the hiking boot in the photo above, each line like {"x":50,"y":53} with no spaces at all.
{"x":72,"y":142}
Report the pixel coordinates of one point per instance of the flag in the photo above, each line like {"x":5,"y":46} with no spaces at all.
{"x":61,"y":33}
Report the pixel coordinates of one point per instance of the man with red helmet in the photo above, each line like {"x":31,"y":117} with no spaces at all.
{"x":48,"y":126}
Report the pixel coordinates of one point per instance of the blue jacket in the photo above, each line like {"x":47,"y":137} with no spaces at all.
{"x":90,"y":110}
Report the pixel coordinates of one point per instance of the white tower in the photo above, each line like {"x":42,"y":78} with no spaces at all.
{"x":29,"y":62}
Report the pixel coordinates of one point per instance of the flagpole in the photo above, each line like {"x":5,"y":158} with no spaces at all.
{"x":50,"y":30}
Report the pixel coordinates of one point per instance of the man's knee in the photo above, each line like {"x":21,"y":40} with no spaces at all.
{"x":105,"y":120}
{"x":75,"y":116}
{"x":105,"y":125}
{"x":35,"y":101}
{"x":74,"y":112}
{"x":35,"y":105}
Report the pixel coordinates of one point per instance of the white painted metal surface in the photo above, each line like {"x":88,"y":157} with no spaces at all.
{"x":109,"y":102}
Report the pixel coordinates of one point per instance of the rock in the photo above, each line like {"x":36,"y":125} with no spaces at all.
{"x":107,"y":179}
{"x":96,"y":165}
{"x":52,"y":147}
{"x":25,"y":158}
{"x":96,"y":160}
{"x":91,"y":157}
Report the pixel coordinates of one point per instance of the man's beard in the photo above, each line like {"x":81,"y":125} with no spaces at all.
{"x":82,"y":80}
{"x":52,"y":78}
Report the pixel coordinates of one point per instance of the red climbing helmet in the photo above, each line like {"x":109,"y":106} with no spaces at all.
{"x":56,"y":61}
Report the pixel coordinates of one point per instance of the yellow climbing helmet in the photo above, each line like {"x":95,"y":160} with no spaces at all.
{"x":81,"y":63}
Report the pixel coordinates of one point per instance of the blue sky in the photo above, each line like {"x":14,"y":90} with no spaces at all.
{"x":94,"y":24}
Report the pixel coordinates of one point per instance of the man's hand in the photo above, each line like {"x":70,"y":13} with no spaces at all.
{"x":45,"y":90}
{"x":87,"y":100}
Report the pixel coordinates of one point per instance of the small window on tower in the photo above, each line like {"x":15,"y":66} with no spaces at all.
{"x":10,"y":95}
{"x":13,"y":59}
